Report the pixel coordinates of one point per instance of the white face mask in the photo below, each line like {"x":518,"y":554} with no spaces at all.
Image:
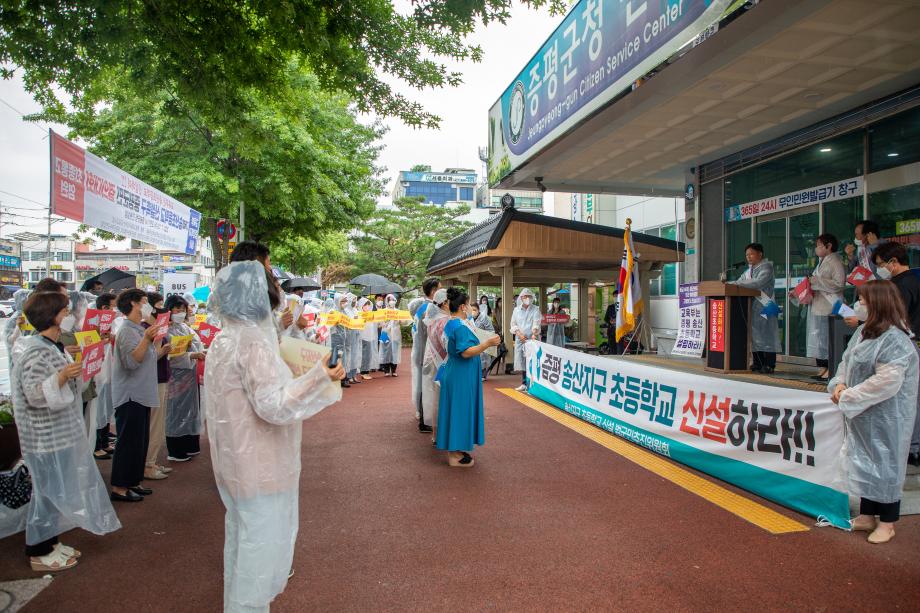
{"x":525,"y":301}
{"x":379,"y":303}
{"x":68,"y":322}
{"x":178,"y":317}
{"x":862,"y":313}
{"x":146,"y":310}
{"x":392,"y":304}
{"x":883,"y":273}
{"x":857,"y":242}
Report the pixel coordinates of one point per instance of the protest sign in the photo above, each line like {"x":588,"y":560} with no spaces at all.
{"x":780,"y":443}
{"x":692,"y":332}
{"x":98,"y":319}
{"x":301,"y":355}
{"x":207,"y":332}
{"x":93,"y":356}
{"x":179,"y":344}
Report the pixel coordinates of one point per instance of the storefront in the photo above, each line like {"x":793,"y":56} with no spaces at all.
{"x":825,"y":178}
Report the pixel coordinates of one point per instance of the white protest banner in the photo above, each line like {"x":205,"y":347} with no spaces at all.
{"x":178,"y":283}
{"x":88,"y":189}
{"x":301,"y":355}
{"x":783,"y":444}
{"x":692,"y":332}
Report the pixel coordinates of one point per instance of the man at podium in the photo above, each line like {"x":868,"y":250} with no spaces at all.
{"x":764,"y":329}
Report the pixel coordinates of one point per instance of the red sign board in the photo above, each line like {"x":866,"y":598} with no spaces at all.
{"x":207,"y":332}
{"x":859,"y":276}
{"x":93,"y":355}
{"x":717,"y":325}
{"x":555,"y":318}
{"x":98,"y":320}
{"x":163,"y":322}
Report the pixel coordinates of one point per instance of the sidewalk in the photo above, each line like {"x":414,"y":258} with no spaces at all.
{"x":547,"y":520}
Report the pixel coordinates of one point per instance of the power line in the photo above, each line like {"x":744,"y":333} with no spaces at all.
{"x":23,"y":116}
{"x":41,"y":204}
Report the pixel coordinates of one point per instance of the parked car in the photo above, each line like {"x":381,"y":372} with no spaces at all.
{"x":6,"y":308}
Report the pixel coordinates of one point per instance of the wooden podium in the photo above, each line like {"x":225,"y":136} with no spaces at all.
{"x":728,"y":329}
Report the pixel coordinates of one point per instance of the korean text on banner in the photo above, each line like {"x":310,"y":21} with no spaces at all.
{"x":692,"y":332}
{"x":301,"y":355}
{"x":163,"y":323}
{"x":93,"y":356}
{"x":783,"y":444}
{"x":88,"y":189}
{"x":100,"y":320}
{"x":717,"y":325}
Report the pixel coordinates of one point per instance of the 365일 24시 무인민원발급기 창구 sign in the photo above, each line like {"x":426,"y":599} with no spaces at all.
{"x":88,"y":189}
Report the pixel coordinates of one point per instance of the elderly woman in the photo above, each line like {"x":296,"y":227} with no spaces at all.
{"x":876,"y":389}
{"x":67,"y":491}
{"x":183,"y":416}
{"x":338,"y":336}
{"x":370,"y":359}
{"x":254,"y":411}
{"x":827,"y":283}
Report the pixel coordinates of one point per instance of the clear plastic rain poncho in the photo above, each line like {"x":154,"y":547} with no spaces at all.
{"x":764,"y":330}
{"x":254,"y":409}
{"x":11,"y":331}
{"x":525,"y":320}
{"x":880,"y":405}
{"x":390,"y":337}
{"x":370,"y":358}
{"x":67,"y":490}
{"x":827,"y":283}
{"x":183,"y":414}
{"x":435,"y":356}
{"x":555,"y":333}
{"x":338,"y":336}
{"x":417,"y":310}
{"x":353,"y":349}
{"x":483,"y":322}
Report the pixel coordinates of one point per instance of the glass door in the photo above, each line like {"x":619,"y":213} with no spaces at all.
{"x":803,"y":230}
{"x":772,"y":235}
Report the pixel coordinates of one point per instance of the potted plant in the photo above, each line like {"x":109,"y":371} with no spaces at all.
{"x":9,"y":435}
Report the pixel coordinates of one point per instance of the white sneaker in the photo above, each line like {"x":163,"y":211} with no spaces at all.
{"x":521,"y":388}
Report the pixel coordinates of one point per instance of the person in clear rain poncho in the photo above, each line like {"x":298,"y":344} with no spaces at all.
{"x":876,"y":389}
{"x":338,"y":335}
{"x":370,"y":359}
{"x":353,"y":349}
{"x":436,"y":317}
{"x":11,"y":330}
{"x":764,"y":327}
{"x":390,"y":341}
{"x":67,"y":490}
{"x":525,"y":326}
{"x":481,"y":320}
{"x":254,"y":411}
{"x":183,"y":415}
{"x":555,"y":333}
{"x":417,"y":309}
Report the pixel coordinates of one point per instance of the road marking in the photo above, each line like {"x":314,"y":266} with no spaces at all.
{"x":745,"y":508}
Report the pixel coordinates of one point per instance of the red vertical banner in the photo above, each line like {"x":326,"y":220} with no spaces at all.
{"x":717,"y":325}
{"x":68,"y":169}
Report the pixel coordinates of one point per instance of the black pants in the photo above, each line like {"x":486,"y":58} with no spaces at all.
{"x":821,"y":363}
{"x":389,"y":367}
{"x":43,"y":548}
{"x":132,"y":423}
{"x":764,"y":359}
{"x":887,"y":511}
{"x":102,"y":438}
{"x":181,"y":447}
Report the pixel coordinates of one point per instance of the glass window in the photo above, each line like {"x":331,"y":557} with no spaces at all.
{"x":772,"y":235}
{"x":654,"y":284}
{"x":832,"y":160}
{"x":803,"y":230}
{"x":895,"y":141}
{"x":738,"y":236}
{"x":668,"y":285}
{"x":897,"y":212}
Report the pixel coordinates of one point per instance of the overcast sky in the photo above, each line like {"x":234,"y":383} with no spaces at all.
{"x":24,"y":181}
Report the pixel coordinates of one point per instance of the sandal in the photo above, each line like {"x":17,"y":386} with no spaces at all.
{"x":466,"y":461}
{"x":68,"y":551}
{"x":54,"y":562}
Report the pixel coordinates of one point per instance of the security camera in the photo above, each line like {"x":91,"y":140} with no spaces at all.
{"x":539,"y":181}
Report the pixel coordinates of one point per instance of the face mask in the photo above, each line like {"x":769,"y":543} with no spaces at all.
{"x":379,"y":303}
{"x":178,"y":317}
{"x":392,"y":304}
{"x":68,"y":322}
{"x":525,"y":301}
{"x":857,"y":242}
{"x":146,"y":310}
{"x":883,"y":273}
{"x":862,"y":313}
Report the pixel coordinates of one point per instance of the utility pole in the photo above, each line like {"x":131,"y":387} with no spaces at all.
{"x":48,"y":245}
{"x":242,"y":213}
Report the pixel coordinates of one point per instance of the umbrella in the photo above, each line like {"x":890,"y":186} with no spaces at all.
{"x":375,"y":284}
{"x":111,"y":279}
{"x":305,"y":283}
{"x":202,"y":293}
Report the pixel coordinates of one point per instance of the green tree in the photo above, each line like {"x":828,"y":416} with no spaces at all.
{"x":211,"y":54}
{"x":304,"y":255}
{"x":421,"y":168}
{"x":398,"y":243}
{"x":301,"y":161}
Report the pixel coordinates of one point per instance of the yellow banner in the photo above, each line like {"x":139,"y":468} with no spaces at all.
{"x":336,"y":318}
{"x":354,"y":324}
{"x":179,"y":344}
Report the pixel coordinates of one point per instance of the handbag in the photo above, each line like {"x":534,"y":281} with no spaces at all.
{"x":16,"y":487}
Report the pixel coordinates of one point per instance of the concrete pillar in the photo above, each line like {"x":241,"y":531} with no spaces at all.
{"x":473,"y":288}
{"x":585,"y":334}
{"x":508,"y":306}
{"x":543,"y":301}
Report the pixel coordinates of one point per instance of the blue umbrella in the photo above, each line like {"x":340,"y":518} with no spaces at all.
{"x":202,"y":293}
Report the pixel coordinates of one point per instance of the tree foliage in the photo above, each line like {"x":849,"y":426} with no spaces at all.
{"x":398,"y":243}
{"x":421,"y":168}
{"x":211,"y":54}
{"x":304,"y":255}
{"x":300,"y":161}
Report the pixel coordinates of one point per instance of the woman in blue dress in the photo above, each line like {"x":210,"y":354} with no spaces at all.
{"x":461,"y":423}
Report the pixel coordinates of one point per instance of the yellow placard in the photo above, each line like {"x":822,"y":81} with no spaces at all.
{"x":301,"y":355}
{"x":87,"y":338}
{"x":25,"y":326}
{"x":200,"y":318}
{"x":179,"y":344}
{"x":354,"y":324}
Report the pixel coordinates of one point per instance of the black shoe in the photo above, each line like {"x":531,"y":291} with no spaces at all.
{"x":346,"y":384}
{"x":139,"y":489}
{"x":105,"y":456}
{"x":767,"y":370}
{"x":914,"y":459}
{"x":756,"y":369}
{"x":424,"y":428}
{"x":129,"y":496}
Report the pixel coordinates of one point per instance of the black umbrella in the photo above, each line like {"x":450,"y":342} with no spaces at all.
{"x":111,"y":279}
{"x":371,"y":283}
{"x":305,"y":283}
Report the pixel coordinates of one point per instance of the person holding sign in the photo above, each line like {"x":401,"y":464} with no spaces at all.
{"x":764,"y":329}
{"x":461,"y":420}
{"x":370,"y":359}
{"x":876,"y":390}
{"x":134,"y":392}
{"x":254,"y":409}
{"x":827,"y":283}
{"x":390,"y":342}
{"x":12,"y":329}
{"x":481,"y":321}
{"x":867,"y":238}
{"x":183,"y":414}
{"x":67,"y":490}
{"x":555,"y":333}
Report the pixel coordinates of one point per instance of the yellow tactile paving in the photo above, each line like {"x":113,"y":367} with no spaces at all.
{"x":745,"y":508}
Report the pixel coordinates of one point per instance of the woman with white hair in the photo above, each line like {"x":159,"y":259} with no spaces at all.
{"x":254,"y":411}
{"x":525,"y":326}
